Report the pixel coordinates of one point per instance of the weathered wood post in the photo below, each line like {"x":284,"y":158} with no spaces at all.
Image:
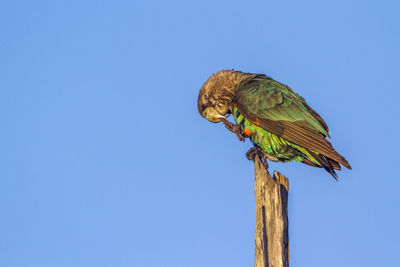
{"x":271,"y":235}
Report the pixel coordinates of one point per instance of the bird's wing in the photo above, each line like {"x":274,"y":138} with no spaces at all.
{"x":278,"y":109}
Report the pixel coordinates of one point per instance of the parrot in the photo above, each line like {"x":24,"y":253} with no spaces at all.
{"x":278,"y":121}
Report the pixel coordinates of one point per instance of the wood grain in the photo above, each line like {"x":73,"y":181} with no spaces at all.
{"x":271,"y":234}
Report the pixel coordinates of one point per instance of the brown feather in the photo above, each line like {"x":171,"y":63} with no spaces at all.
{"x":334,"y":164}
{"x":317,"y":117}
{"x":324,"y":161}
{"x":310,"y":163}
{"x":295,"y":133}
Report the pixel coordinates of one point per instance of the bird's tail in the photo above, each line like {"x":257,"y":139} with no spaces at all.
{"x":328,"y":164}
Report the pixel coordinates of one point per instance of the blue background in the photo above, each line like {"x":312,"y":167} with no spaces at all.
{"x":105,"y":160}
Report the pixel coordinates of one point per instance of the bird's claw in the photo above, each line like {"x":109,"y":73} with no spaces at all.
{"x":256,"y":151}
{"x":235,"y":129}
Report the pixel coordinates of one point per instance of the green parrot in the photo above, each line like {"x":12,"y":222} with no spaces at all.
{"x":278,"y":121}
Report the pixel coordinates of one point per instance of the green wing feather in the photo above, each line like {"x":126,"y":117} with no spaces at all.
{"x":279,"y":110}
{"x":275,"y":101}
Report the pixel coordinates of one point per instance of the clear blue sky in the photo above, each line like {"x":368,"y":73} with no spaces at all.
{"x":105,"y":160}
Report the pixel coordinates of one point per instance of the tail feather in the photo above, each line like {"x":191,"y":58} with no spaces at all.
{"x":328,"y":164}
{"x":334,"y":164}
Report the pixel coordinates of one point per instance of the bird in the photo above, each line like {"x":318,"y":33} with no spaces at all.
{"x":278,"y":121}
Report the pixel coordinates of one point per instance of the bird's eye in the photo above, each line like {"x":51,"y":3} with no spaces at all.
{"x":205,"y":97}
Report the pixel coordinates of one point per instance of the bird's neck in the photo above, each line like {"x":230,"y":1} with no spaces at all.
{"x":231,"y":80}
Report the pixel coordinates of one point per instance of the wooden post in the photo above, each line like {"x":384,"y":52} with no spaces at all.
{"x":271,"y":235}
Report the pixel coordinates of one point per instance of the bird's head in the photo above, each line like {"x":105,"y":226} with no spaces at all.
{"x":212,"y":112}
{"x":216,"y":94}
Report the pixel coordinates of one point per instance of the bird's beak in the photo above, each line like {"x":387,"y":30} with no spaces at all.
{"x":218,"y":118}
{"x":212,"y":115}
{"x":222,"y":117}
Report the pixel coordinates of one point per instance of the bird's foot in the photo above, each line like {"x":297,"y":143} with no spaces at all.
{"x":235,"y":129}
{"x":256,"y":151}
